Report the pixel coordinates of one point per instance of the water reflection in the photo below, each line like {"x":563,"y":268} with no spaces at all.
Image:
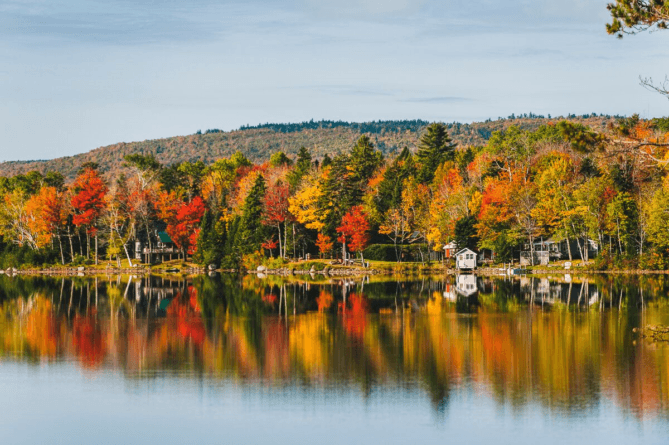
{"x":563,"y":344}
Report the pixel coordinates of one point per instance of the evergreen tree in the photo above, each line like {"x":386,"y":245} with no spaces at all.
{"x":302,"y":167}
{"x":465,"y":232}
{"x":279,"y":159}
{"x":364,"y":160}
{"x":341,"y":192}
{"x":434,"y":148}
{"x":212,"y":238}
{"x":252,"y":230}
{"x":327,"y":160}
{"x":389,"y":193}
{"x":232,"y":253}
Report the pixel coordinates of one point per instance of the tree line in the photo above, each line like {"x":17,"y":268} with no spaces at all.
{"x":563,"y":180}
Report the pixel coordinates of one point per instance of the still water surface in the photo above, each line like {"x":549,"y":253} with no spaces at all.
{"x":429,"y":360}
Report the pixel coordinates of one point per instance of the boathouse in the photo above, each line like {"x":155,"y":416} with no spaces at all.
{"x":465,"y":259}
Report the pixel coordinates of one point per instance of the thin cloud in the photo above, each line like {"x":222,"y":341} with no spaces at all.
{"x":350,"y":90}
{"x":437,"y":100}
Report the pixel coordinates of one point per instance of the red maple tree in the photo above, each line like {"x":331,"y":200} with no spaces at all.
{"x":354,"y":230}
{"x":276,"y":211}
{"x":183,"y":220}
{"x":89,"y":203}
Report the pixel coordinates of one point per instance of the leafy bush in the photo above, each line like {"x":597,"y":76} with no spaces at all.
{"x":79,"y":260}
{"x":386,"y":252}
{"x":380,"y":252}
{"x":252,"y":260}
{"x":653,"y":260}
{"x":274,"y":263}
{"x":25,"y":257}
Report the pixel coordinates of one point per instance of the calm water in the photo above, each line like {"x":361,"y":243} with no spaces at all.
{"x":224,"y":360}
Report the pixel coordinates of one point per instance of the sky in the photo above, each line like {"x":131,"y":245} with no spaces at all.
{"x":79,"y":74}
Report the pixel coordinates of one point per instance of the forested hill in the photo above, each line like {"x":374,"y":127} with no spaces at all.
{"x":259,"y":142}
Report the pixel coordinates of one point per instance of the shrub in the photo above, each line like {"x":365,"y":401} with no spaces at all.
{"x":380,"y":252}
{"x":317,"y":265}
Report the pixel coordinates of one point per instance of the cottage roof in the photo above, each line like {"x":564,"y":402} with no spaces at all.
{"x":164,"y":237}
{"x":466,"y":250}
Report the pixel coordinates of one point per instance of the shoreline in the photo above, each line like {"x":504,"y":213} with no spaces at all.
{"x":261,"y":271}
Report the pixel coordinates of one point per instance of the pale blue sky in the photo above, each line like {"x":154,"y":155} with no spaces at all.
{"x":76,"y":75}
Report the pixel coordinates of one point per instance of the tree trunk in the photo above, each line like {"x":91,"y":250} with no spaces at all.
{"x":278,"y":228}
{"x":571,"y":257}
{"x":343,"y":253}
{"x":531,"y":251}
{"x":62,"y":254}
{"x":125,"y":248}
{"x":96,"y":248}
{"x":69,"y":235}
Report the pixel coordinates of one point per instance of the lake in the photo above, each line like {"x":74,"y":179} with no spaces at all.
{"x":253,"y":360}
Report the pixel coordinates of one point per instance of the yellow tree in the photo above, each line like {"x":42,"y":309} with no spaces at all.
{"x":450,"y":204}
{"x":396,"y":225}
{"x":416,"y":201}
{"x":15,"y":220}
{"x":304,"y":204}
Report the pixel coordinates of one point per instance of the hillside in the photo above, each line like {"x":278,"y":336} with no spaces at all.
{"x":259,"y":142}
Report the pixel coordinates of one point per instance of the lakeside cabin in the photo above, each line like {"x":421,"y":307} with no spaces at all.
{"x":549,"y":250}
{"x":465,"y":259}
{"x":162,"y":249}
{"x":450,"y":249}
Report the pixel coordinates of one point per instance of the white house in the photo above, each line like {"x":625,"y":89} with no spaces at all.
{"x":465,"y":260}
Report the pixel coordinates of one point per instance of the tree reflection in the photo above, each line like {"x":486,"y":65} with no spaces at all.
{"x":563,"y":345}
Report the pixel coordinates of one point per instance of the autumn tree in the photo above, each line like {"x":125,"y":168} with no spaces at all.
{"x":353,"y":232}
{"x":396,"y":225}
{"x":276,"y":212}
{"x":324,"y":244}
{"x":450,"y":204}
{"x":183,"y":220}
{"x":89,"y":202}
{"x":118,"y":220}
{"x":46,"y":213}
{"x":145,"y":173}
{"x":304,"y":205}
{"x":416,"y":202}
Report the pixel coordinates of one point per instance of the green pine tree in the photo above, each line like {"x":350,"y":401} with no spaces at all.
{"x":434,"y":149}
{"x":252,"y":229}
